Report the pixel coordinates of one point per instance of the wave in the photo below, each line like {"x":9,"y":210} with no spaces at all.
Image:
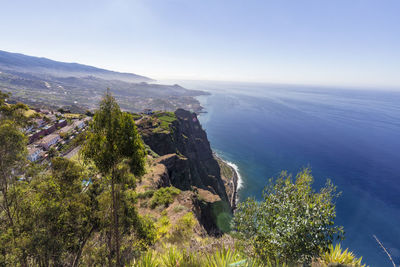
{"x":236,"y":168}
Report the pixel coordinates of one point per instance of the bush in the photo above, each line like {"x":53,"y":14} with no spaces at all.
{"x":183,"y":229}
{"x":146,"y":230}
{"x":179,"y":208}
{"x":164,"y":196}
{"x":336,"y":255}
{"x":148,"y":259}
{"x":146,"y":194}
{"x":163,"y":226}
{"x":172,"y":258}
{"x":293,"y":222}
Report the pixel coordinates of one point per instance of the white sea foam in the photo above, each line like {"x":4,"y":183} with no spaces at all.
{"x":236,"y":168}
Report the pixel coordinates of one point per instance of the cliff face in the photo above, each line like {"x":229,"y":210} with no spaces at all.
{"x":194,"y":163}
{"x":183,"y":148}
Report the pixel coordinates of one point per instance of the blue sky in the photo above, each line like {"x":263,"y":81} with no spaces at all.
{"x":327,"y":42}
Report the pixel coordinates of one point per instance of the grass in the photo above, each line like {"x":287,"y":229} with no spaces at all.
{"x":136,"y":116}
{"x":72,"y":116}
{"x":226,"y":170}
{"x":173,"y":256}
{"x":29,"y":113}
{"x":179,"y":208}
{"x":164,"y":120}
{"x":183,"y":229}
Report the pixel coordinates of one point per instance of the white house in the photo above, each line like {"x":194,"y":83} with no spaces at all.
{"x":49,"y":140}
{"x":34,"y":153}
{"x":80,"y":124}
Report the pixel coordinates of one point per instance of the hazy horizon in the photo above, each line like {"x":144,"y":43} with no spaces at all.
{"x":337,"y":43}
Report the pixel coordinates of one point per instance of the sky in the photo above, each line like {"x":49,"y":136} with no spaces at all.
{"x":326,"y":42}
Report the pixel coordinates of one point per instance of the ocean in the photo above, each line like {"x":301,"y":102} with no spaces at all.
{"x":351,"y":136}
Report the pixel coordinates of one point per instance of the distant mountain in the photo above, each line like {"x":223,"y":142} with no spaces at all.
{"x":37,"y":80}
{"x":38,"y":65}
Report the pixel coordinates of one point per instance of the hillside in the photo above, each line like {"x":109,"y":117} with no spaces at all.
{"x":181,"y":157}
{"x":41,"y":81}
{"x":20,"y":63}
{"x":147,"y":190}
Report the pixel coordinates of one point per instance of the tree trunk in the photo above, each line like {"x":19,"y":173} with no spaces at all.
{"x":109,"y":243}
{"x":116,"y":224}
{"x":78,"y":255}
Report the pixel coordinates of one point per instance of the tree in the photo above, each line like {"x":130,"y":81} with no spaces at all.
{"x":13,"y":112}
{"x":59,"y":215}
{"x":12,"y":160}
{"x":293,"y":222}
{"x":114,"y":146}
{"x":53,"y":152}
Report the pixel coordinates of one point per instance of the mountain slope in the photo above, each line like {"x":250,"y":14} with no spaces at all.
{"x":37,"y":65}
{"x":41,"y":81}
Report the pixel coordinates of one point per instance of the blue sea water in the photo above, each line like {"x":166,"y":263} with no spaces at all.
{"x":349,"y":136}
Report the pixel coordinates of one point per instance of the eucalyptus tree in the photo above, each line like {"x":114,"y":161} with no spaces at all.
{"x":114,"y":146}
{"x":12,"y":161}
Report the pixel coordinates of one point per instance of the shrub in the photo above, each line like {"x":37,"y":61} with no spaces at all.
{"x":146,"y":230}
{"x":172,"y":258}
{"x":179,"y":208}
{"x":337,"y":255}
{"x":148,"y":259}
{"x":146,"y":194}
{"x":183,"y":229}
{"x":224,"y":257}
{"x":163,"y":226}
{"x":164,"y":196}
{"x":293,"y":222}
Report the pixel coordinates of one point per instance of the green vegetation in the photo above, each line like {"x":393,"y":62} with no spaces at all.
{"x":173,"y":256}
{"x":150,"y":152}
{"x":293,"y":223}
{"x":338,"y":256}
{"x":30,"y":113}
{"x":164,"y":196}
{"x":146,"y":194}
{"x":226,"y":170}
{"x":70,"y":214}
{"x":115,"y":147}
{"x":72,"y":116}
{"x":136,"y":116}
{"x":164,"y":120}
{"x":84,"y":213}
{"x":183,"y":229}
{"x":163,"y":227}
{"x":179,"y":208}
{"x":77,"y":141}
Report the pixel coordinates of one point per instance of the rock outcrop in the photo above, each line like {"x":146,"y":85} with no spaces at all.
{"x":183,"y":148}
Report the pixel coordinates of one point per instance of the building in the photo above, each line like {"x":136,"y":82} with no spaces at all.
{"x":39,"y":123}
{"x":34,"y":153}
{"x":67,"y":129}
{"x":49,"y":140}
{"x":79,"y":124}
{"x":148,"y":111}
{"x":61,"y":123}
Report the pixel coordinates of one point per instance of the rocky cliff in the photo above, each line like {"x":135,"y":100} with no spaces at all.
{"x":183,"y":158}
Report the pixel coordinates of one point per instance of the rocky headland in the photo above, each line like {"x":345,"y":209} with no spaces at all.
{"x":180,"y":155}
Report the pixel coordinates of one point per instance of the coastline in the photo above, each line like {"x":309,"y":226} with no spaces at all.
{"x":236,"y":179}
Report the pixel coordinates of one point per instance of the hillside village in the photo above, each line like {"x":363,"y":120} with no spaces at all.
{"x":53,"y":133}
